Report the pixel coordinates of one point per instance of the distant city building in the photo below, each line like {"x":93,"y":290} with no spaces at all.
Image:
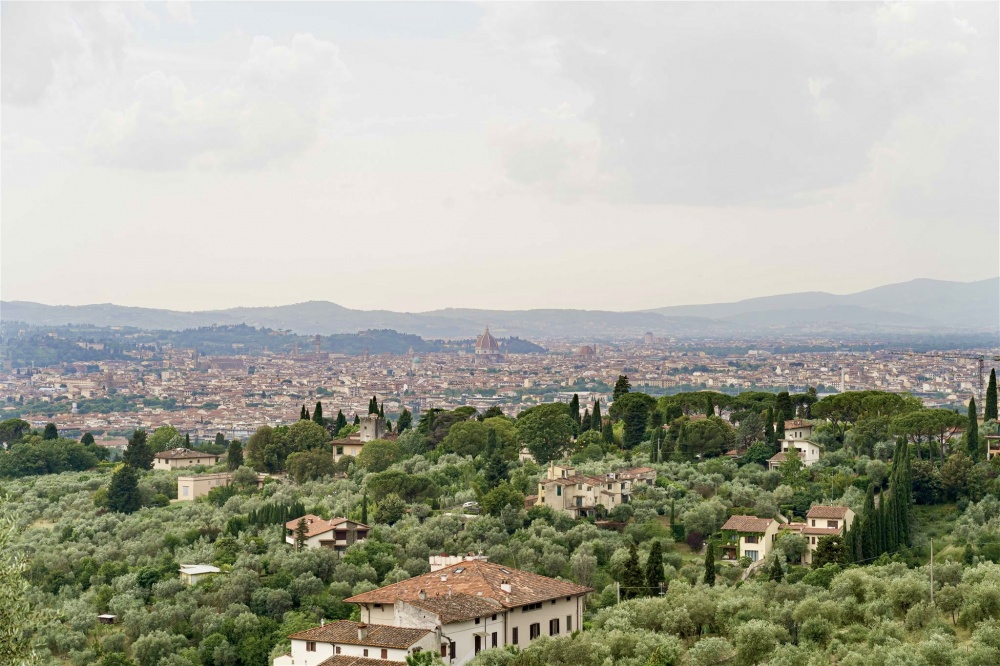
{"x":487,"y":348}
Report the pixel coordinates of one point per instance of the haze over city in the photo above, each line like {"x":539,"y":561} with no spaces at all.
{"x":411,"y":157}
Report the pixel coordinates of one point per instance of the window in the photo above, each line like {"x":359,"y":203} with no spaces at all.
{"x":385,"y":653}
{"x":444,"y":651}
{"x":553,"y":602}
{"x":534,"y":631}
{"x":812,"y":540}
{"x":752,"y":554}
{"x":751,"y":538}
{"x":479,"y":644}
{"x":531,"y":607}
{"x":337,"y":650}
{"x":340,"y":450}
{"x":493,"y":618}
{"x":186,"y":489}
{"x":477,"y":620}
{"x":569,"y":623}
{"x":310,"y":646}
{"x":559,"y":491}
{"x":451,"y":649}
{"x":494,"y":641}
{"x":513,"y":636}
{"x":365,"y":652}
{"x":378,"y":606}
{"x":813,"y":522}
{"x":832,"y":523}
{"x":554,"y":627}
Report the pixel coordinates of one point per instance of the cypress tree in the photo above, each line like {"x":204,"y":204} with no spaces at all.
{"x":381,"y":410}
{"x":364,"y":508}
{"x":868,"y":538}
{"x":709,"y":406}
{"x":851,"y":543}
{"x":357,"y":420}
{"x":373,"y":405}
{"x":769,"y":426}
{"x":779,"y":429}
{"x":710,"y":564}
{"x":776,"y":574}
{"x":654,"y":568}
{"x":87,"y":439}
{"x":318,"y":413}
{"x":301,"y":532}
{"x":990,"y":413}
{"x":302,"y":414}
{"x":574,"y":408}
{"x":495,"y":467}
{"x":405,"y":420}
{"x":220,"y":439}
{"x":972,"y":432}
{"x":585,"y":420}
{"x":595,"y":418}
{"x":632,"y":582}
{"x":187,"y":440}
{"x":784,"y":409}
{"x":341,"y":420}
{"x":51,"y":432}
{"x":608,"y":432}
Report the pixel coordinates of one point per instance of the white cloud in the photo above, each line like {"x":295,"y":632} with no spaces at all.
{"x":273,"y":106}
{"x":54,"y":48}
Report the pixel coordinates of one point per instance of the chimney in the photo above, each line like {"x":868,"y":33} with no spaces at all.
{"x":444,"y":577}
{"x":322,"y":622}
{"x":505,"y":586}
{"x":422,"y":594}
{"x":362,"y":631}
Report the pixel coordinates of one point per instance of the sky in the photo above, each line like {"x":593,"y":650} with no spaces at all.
{"x":414,"y":156}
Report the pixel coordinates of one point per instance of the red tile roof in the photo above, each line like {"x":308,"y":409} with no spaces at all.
{"x":182,"y":454}
{"x":457,"y":607}
{"x":477,"y":578}
{"x":345,"y":632}
{"x":319,"y":525}
{"x":823,"y":511}
{"x":750,"y":524}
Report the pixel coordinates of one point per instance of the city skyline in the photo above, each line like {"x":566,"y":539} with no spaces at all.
{"x":417,"y":157}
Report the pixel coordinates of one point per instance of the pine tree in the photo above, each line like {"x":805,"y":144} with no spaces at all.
{"x":137,"y":452}
{"x":318,"y":413}
{"x":405,"y":420}
{"x":364,"y":508}
{"x":632,"y":582}
{"x":769,"y":426}
{"x":972,"y":432}
{"x":301,"y":533}
{"x":654,"y":568}
{"x":574,"y":409}
{"x":50,"y":432}
{"x":710,"y":564}
{"x":621,"y":387}
{"x":595,"y":418}
{"x":123,"y":491}
{"x":990,"y":413}
{"x":234,"y":456}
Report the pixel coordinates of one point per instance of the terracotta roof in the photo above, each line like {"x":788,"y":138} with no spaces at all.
{"x":476,"y":578}
{"x":797,"y":423}
{"x":180,"y":454}
{"x":821,"y":511}
{"x":347,"y":660}
{"x":345,"y":632}
{"x":821,"y":531}
{"x":318,"y":525}
{"x":778,"y":457}
{"x":748,"y":524}
{"x":487,"y":342}
{"x":457,"y":607}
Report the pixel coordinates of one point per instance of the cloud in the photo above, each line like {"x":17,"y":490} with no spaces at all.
{"x":273,"y":106}
{"x":758,"y":103}
{"x":54,"y":48}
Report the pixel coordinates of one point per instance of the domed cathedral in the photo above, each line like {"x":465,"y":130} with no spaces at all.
{"x":488,"y":349}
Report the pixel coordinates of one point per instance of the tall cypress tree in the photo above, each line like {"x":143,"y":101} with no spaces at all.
{"x":632,"y":582}
{"x":769,"y":426}
{"x":405,"y":420}
{"x":302,"y":414}
{"x":654,"y":568}
{"x":357,"y":420}
{"x":364,"y":508}
{"x":779,"y":428}
{"x":972,"y":432}
{"x":318,"y":413}
{"x":381,"y":410}
{"x":574,"y":409}
{"x":234,"y":456}
{"x":710,"y":564}
{"x":595,"y":418}
{"x":990,"y":412}
{"x":137,"y":452}
{"x":341,"y":420}
{"x":495,"y":467}
{"x":373,"y":405}
{"x":709,"y":406}
{"x":123,"y":491}
{"x":585,"y":420}
{"x":608,"y":433}
{"x":622,"y":387}
{"x":784,"y":409}
{"x":868,"y":537}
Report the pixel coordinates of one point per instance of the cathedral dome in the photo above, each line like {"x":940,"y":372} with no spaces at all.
{"x":487,"y":344}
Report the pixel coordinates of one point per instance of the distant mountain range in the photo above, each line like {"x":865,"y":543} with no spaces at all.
{"x":917,"y":306}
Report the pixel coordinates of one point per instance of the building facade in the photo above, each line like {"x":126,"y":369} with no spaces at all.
{"x":179,"y":458}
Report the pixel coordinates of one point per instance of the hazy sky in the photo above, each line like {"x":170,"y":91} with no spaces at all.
{"x":415,"y":156}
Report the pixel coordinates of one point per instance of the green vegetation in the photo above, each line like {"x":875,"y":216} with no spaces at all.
{"x":102,"y":539}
